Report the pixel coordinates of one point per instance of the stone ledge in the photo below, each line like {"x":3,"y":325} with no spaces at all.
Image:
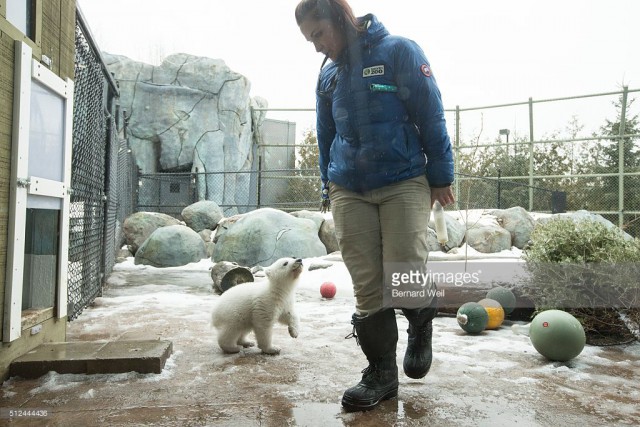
{"x":143,"y":356}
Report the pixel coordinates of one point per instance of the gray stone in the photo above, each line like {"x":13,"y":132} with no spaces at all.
{"x":171,"y":246}
{"x":202,"y":215}
{"x":489,"y":238}
{"x":208,"y":242}
{"x":516,"y":221}
{"x":224,"y":225}
{"x":328,"y":235}
{"x":265,"y":235}
{"x":139,"y":226}
{"x":319,"y":265}
{"x":206,"y":235}
{"x":122,"y":254}
{"x":316,"y":217}
{"x":191,"y":112}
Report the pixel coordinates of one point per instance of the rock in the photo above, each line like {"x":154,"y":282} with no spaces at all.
{"x":265,"y":235}
{"x":122,"y":254}
{"x":139,"y":226}
{"x":202,"y":215}
{"x":316,"y":217}
{"x":516,"y":221}
{"x":224,"y":225}
{"x":206,"y":235}
{"x":489,"y":238}
{"x":326,"y":228}
{"x":328,"y":235}
{"x":191,"y":112}
{"x":319,"y":265}
{"x":171,"y":246}
{"x":333,"y":257}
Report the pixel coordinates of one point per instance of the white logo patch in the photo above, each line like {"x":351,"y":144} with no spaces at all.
{"x":376,"y":70}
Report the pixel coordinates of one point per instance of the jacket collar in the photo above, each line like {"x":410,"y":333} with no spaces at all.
{"x":375,"y":32}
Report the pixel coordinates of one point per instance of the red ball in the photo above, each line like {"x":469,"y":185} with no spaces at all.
{"x":328,"y":290}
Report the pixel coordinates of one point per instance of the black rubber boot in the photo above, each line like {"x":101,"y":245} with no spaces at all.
{"x":377,"y":335}
{"x":418,"y":357}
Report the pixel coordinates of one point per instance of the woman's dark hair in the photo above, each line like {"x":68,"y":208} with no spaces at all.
{"x":337,"y":11}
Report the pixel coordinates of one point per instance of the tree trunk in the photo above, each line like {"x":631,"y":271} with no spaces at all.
{"x":227,"y":274}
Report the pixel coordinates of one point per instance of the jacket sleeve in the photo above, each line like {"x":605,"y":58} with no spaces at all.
{"x":325,"y":126}
{"x":418,"y":89}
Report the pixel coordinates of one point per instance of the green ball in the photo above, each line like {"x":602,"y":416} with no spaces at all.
{"x":557,"y":335}
{"x":472,"y":317}
{"x":504,"y":296}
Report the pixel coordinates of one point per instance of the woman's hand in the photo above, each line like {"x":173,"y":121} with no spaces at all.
{"x":442,"y":194}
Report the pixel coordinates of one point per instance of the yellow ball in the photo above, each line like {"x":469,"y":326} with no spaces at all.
{"x":495,"y":312}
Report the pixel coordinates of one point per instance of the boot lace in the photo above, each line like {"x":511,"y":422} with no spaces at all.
{"x":371,"y":371}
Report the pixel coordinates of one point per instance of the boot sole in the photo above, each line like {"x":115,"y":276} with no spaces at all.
{"x":416,"y":374}
{"x":351,"y":406}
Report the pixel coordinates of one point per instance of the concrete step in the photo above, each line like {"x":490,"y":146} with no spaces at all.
{"x":113,"y":357}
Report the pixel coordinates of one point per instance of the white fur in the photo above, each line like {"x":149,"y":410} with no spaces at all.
{"x":257,"y":306}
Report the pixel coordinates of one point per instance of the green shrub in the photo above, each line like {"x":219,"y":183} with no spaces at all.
{"x":586,"y":241}
{"x":586,"y":268}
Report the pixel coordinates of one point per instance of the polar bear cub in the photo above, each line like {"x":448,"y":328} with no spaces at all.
{"x":257,"y":306}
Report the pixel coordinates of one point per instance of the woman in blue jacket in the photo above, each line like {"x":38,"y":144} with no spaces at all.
{"x":385,"y":158}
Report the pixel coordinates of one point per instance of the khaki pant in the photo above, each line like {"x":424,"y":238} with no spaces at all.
{"x":378,"y":227}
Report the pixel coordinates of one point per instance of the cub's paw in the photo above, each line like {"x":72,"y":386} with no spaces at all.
{"x":271,"y":350}
{"x":293,"y":332}
{"x":231,"y":349}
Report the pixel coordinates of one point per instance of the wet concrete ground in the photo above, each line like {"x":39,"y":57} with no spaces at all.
{"x":493,"y":379}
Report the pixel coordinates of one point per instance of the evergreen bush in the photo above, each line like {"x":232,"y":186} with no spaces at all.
{"x":588,"y":269}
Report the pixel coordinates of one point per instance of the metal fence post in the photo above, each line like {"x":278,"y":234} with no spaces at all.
{"x":259,"y":180}
{"x":531,"y":151}
{"x":621,"y":141}
{"x":499,"y":188}
{"x":457,"y":151}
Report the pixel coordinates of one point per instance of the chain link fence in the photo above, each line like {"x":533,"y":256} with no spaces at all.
{"x":100,"y":178}
{"x":556,"y":155}
{"x":585,"y":150}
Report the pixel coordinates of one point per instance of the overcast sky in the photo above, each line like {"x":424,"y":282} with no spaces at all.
{"x":481,"y":52}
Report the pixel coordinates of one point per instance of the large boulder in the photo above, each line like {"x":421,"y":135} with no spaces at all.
{"x":191,"y":112}
{"x":316,"y":217}
{"x":139,"y":226}
{"x":171,"y":246}
{"x":326,"y":228}
{"x":488,"y":238}
{"x":202,"y":215}
{"x":265,"y":235}
{"x":516,"y":221}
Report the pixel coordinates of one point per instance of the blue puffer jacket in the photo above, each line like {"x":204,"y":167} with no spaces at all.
{"x":380,"y":117}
